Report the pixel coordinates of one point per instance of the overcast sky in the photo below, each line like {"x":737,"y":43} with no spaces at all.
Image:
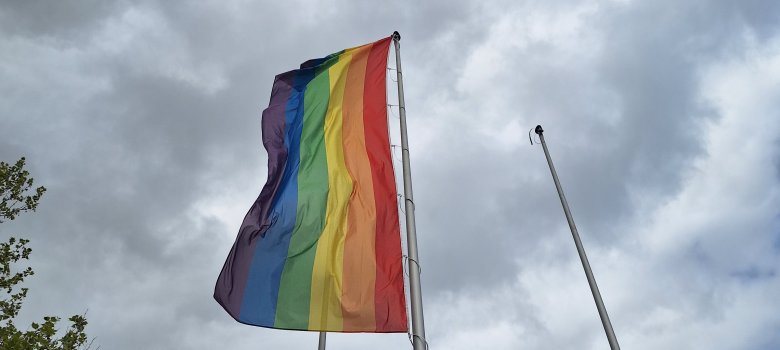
{"x":663,"y":117}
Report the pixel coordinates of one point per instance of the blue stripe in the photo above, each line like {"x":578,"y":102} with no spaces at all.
{"x":262,"y":287}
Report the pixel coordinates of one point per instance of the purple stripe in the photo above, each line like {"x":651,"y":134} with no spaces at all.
{"x":229,"y":291}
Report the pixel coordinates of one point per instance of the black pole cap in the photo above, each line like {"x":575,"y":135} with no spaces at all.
{"x":538,"y":130}
{"x":396,"y":36}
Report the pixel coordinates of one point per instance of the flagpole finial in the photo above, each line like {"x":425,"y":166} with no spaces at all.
{"x":396,"y":36}
{"x":538,"y":130}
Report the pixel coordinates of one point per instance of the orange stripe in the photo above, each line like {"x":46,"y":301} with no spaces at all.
{"x":357,"y":298}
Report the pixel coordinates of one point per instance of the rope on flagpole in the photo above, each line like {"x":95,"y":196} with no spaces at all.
{"x":415,"y":290}
{"x":419,"y":272}
{"x":401,"y":207}
{"x":408,"y":259}
{"x":419,"y":269}
{"x":391,"y":111}
{"x":395,"y":157}
{"x":391,"y":78}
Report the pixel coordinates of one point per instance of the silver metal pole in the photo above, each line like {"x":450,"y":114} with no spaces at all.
{"x":613,"y":343}
{"x":415,"y":293}
{"x":322,"y":341}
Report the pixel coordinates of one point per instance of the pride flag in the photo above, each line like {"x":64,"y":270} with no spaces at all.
{"x":320,"y":248}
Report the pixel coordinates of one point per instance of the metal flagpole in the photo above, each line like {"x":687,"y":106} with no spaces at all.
{"x":321,"y":346}
{"x":613,"y":343}
{"x":415,"y":294}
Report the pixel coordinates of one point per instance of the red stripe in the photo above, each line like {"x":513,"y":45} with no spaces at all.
{"x":389,"y":293}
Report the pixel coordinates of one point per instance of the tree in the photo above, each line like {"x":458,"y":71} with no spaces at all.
{"x":17,"y":196}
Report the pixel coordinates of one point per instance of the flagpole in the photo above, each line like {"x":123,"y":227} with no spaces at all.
{"x":415,"y":293}
{"x":613,"y":343}
{"x":321,"y":345}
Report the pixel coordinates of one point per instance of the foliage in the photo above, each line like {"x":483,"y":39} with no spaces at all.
{"x":15,"y":182}
{"x":18,"y":196}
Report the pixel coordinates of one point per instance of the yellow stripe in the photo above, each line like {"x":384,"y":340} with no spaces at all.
{"x":327,"y":274}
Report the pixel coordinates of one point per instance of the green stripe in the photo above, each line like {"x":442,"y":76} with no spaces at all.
{"x":292,"y":309}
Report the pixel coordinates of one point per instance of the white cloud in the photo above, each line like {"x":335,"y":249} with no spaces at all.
{"x":142,"y":39}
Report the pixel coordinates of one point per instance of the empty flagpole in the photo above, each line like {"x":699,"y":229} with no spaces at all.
{"x":415,"y":293}
{"x":321,"y":346}
{"x":613,"y":343}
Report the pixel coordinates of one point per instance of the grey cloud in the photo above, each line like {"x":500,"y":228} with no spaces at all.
{"x":69,"y":21}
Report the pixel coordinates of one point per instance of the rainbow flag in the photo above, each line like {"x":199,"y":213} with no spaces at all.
{"x":320,"y":249}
